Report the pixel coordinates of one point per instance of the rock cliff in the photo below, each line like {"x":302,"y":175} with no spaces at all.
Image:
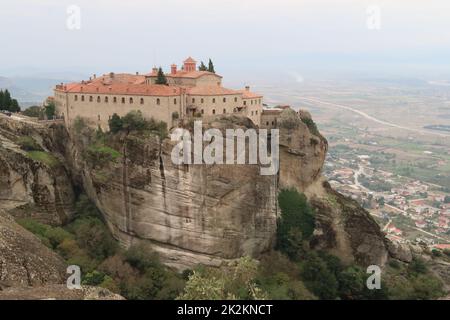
{"x":194,"y":214}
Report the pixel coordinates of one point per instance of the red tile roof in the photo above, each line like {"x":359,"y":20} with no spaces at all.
{"x":190,"y":60}
{"x":249,"y":95}
{"x":186,"y":74}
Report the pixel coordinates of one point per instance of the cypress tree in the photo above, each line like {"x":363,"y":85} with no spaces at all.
{"x":7,"y":100}
{"x":161,"y":79}
{"x":14,"y":106}
{"x":202,"y":67}
{"x":211,"y":66}
{"x":2,"y":95}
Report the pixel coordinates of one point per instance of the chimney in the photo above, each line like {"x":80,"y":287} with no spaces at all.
{"x":173,"y":69}
{"x":247,"y":88}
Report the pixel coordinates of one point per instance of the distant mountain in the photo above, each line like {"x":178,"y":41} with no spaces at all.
{"x":34,"y":89}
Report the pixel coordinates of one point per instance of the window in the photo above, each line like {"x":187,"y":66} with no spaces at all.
{"x":82,"y":98}
{"x":174,"y":101}
{"x":272,"y":123}
{"x":203,"y":111}
{"x":99,"y":99}
{"x":142,"y":100}
{"x":224,"y":110}
{"x":91,"y":98}
{"x":158,"y":101}
{"x":202,"y":100}
{"x":76,"y":98}
{"x":235,"y":99}
{"x":259,"y":101}
{"x":214,"y":100}
{"x":214,"y":111}
{"x":235,"y":109}
{"x":123,"y":100}
{"x":251,"y":102}
{"x":224,"y":99}
{"x":256,"y":112}
{"x":98,"y":117}
{"x":193,"y":100}
{"x":131,"y":100}
{"x":245,"y":103}
{"x":115,"y":99}
{"x":252,"y":112}
{"x":106,"y":99}
{"x":267,"y":123}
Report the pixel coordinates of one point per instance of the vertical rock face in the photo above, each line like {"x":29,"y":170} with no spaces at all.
{"x":32,"y":188}
{"x":190,"y":214}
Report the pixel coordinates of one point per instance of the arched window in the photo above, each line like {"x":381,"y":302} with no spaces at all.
{"x":174,"y":101}
{"x":202,"y":100}
{"x":76,"y":98}
{"x":235,"y":99}
{"x":251,"y":101}
{"x":98,"y":117}
{"x":267,"y":123}
{"x":115,"y":99}
{"x":158,"y":101}
{"x":245,"y":103}
{"x":91,"y":98}
{"x":224,"y":99}
{"x":214,"y":111}
{"x":193,"y":100}
{"x":142,"y":100}
{"x":106,"y":99}
{"x":123,"y":100}
{"x":99,"y":99}
{"x":131,"y":100}
{"x":224,"y":110}
{"x":82,"y":98}
{"x":203,"y":111}
{"x":214,"y":100}
{"x":256,"y":112}
{"x":272,"y":123}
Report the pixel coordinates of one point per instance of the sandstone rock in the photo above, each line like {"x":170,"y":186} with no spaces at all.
{"x":30,"y":188}
{"x":24,"y":260}
{"x":400,"y":251}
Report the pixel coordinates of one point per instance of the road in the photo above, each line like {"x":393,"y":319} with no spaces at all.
{"x":369,"y":117}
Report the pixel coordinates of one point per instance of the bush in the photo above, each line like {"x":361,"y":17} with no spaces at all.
{"x":43,"y":157}
{"x":34,"y":112}
{"x":318,"y":278}
{"x":296,"y":224}
{"x":115,"y":123}
{"x":417,"y":266}
{"x":28,"y":144}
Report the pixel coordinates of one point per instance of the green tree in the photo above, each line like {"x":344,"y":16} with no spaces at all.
{"x":50,"y":110}
{"x":211,"y":67}
{"x":202,"y":67}
{"x":161,"y":77}
{"x":115,"y":123}
{"x":296,"y":224}
{"x":14,"y":107}
{"x":318,"y":278}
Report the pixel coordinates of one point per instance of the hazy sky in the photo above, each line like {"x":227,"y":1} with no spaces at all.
{"x":292,"y":36}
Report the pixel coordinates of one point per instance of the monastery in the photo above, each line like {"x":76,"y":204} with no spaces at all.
{"x":189,"y":92}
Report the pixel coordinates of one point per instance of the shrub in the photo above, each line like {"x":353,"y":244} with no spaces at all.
{"x":35,"y":112}
{"x":28,"y":144}
{"x":115,"y":123}
{"x":43,"y":157}
{"x":296,"y":223}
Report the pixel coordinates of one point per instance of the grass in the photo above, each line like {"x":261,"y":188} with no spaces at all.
{"x":43,"y":157}
{"x":106,"y":150}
